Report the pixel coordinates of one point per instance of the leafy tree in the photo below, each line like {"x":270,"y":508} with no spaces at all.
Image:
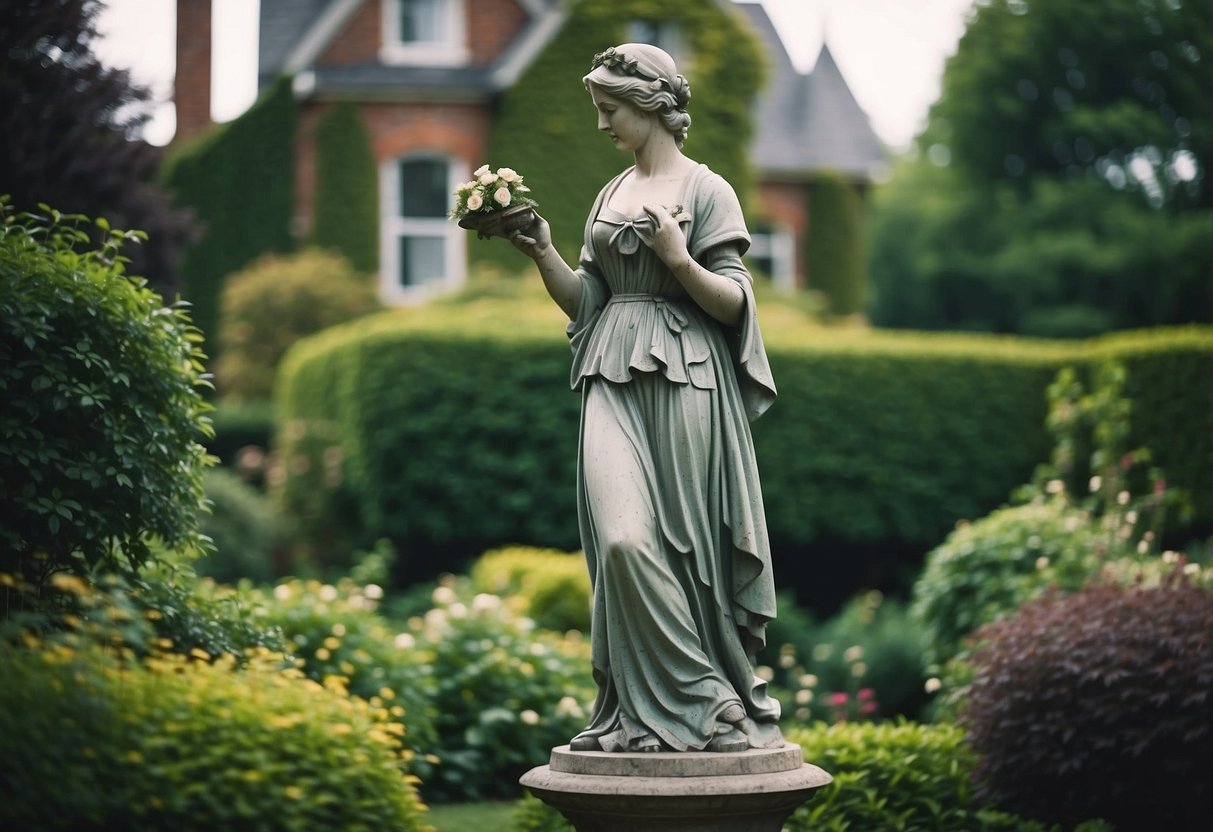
{"x":69,"y":128}
{"x":1061,"y":186}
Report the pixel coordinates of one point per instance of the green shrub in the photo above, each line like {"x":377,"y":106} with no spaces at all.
{"x":102,"y":409}
{"x":244,"y":528}
{"x":865,"y":663}
{"x":901,"y":776}
{"x":90,"y":743}
{"x":1098,"y":703}
{"x":274,"y":302}
{"x":986,"y":569}
{"x":553,"y":587}
{"x":335,"y":634}
{"x":457,"y":432}
{"x":502,"y":694}
{"x":533,"y":815}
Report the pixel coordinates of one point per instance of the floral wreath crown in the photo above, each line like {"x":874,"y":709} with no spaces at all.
{"x":619,"y":61}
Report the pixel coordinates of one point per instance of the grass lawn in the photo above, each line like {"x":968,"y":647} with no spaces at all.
{"x":471,"y":817}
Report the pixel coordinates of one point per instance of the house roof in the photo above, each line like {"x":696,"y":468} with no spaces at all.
{"x":806,"y":122}
{"x":295,"y":32}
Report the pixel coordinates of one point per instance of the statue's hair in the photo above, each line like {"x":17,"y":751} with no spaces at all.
{"x":654,"y":88}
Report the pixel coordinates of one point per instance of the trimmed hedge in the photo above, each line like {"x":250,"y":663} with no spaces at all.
{"x":834,"y":246}
{"x":458,"y":431}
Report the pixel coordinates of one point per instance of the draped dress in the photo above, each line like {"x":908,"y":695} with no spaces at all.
{"x":669,"y":501}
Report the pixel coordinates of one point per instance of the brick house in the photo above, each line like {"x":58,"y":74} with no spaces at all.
{"x":425,"y":74}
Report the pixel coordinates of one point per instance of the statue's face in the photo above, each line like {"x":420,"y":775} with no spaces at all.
{"x":627,"y":125}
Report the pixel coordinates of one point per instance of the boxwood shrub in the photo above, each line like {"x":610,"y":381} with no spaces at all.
{"x":457,"y":431}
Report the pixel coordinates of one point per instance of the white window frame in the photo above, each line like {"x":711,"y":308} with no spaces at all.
{"x":392,"y":227}
{"x":777,"y":244}
{"x":450,"y":50}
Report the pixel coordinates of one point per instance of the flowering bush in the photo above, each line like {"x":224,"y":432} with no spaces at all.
{"x":549,"y":586}
{"x":490,"y":191}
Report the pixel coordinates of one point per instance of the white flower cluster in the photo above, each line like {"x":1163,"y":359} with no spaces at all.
{"x":490,"y":191}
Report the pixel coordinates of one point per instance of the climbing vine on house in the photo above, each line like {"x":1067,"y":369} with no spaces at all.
{"x":346,"y":201}
{"x":545,"y":125}
{"x":239,"y":180}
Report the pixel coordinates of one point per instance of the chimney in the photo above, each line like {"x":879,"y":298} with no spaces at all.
{"x":192,"y":87}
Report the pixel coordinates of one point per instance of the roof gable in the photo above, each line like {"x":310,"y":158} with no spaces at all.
{"x":808,"y":122}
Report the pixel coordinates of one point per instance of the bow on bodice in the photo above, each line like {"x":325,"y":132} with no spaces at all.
{"x":632,"y":231}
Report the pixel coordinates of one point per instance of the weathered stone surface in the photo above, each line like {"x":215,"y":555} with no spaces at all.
{"x":749,"y":791}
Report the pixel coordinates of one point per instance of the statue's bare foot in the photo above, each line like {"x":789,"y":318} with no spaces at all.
{"x":584,"y":744}
{"x":646,"y":745}
{"x":729,"y":741}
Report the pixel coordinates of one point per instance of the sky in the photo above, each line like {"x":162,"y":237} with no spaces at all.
{"x":891,"y":52}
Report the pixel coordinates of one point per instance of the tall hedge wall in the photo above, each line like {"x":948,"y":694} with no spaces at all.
{"x":455,"y":441}
{"x":545,"y":127}
{"x":835,"y":244}
{"x":239,"y":180}
{"x":346,"y":205}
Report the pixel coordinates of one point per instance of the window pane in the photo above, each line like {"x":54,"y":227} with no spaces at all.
{"x":423,"y":188}
{"x":420,"y":21}
{"x":421,"y":260}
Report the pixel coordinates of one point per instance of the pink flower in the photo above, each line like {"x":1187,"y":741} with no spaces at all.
{"x":867,"y":708}
{"x":866,"y":694}
{"x":837,"y":699}
{"x":475,"y":201}
{"x":502,"y":196}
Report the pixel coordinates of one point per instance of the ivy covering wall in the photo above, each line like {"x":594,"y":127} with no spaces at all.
{"x":835,"y":243}
{"x":239,"y":179}
{"x":347,"y":189}
{"x":545,"y":127}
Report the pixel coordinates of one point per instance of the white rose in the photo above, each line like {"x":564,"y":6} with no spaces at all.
{"x":465,"y":187}
{"x":475,"y":201}
{"x":481,"y":171}
{"x":488,"y":178}
{"x":502,"y":196}
{"x":507,"y":174}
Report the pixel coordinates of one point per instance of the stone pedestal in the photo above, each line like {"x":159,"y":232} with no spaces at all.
{"x":749,"y":791}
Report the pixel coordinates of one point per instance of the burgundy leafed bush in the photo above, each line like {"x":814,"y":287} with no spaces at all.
{"x":1100,"y":704}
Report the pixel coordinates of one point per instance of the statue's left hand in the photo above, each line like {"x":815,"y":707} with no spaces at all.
{"x":669,"y":243}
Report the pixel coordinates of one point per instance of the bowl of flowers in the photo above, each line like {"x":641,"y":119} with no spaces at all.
{"x":494,"y":204}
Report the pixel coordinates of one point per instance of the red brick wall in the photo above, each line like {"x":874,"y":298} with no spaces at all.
{"x":787,"y":204}
{"x":192,"y":85}
{"x":489,"y":25}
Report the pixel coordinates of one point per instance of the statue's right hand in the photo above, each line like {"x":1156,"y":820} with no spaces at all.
{"x":534,"y":239}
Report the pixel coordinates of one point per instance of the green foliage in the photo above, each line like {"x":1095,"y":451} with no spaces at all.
{"x":501,"y":693}
{"x":1082,"y":520}
{"x":276,"y":301}
{"x":102,"y":409}
{"x":346,"y":207}
{"x":244,"y":527}
{"x":456,"y":431}
{"x":1062,"y":259}
{"x":239,"y":181}
{"x":863,"y":664}
{"x":545,"y":125}
{"x":533,"y":815}
{"x":1067,"y":87}
{"x":552,"y":587}
{"x":90,"y":742}
{"x":986,"y":569}
{"x":1097,"y":703}
{"x":835,"y":247}
{"x":900,"y":776}
{"x":238,"y":426}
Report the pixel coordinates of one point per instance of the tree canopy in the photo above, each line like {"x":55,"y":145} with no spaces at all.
{"x":1061,"y":186}
{"x":69,"y":130}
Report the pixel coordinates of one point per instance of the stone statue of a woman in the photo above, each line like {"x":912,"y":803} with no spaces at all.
{"x":671,"y":366}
